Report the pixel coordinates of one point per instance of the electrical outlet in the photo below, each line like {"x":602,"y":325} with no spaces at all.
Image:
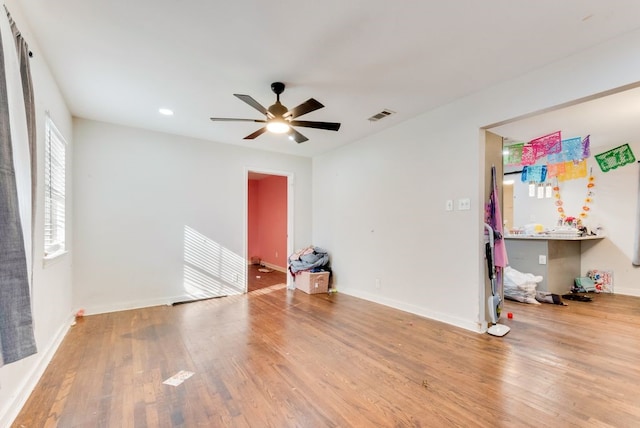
{"x":377,"y":284}
{"x":449,"y":205}
{"x":542,"y":259}
{"x":464,"y":204}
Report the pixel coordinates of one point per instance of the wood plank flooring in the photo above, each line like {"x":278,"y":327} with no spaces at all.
{"x":282,"y":358}
{"x":257,"y":280}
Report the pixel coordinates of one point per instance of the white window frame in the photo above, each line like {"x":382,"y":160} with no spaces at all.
{"x":54,"y":191}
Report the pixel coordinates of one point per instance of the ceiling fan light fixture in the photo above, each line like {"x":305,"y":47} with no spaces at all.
{"x":278,"y":126}
{"x":279,"y":119}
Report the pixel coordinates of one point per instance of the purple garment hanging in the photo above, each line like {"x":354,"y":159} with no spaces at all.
{"x":495,"y":221}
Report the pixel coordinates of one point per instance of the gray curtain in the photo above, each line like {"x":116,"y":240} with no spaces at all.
{"x":16,"y":326}
{"x":24,"y":54}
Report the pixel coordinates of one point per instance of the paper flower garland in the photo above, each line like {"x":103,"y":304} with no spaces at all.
{"x":587,"y":201}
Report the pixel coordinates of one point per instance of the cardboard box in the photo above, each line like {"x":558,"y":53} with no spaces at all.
{"x":312,"y":282}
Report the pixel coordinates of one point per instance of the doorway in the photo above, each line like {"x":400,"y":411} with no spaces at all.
{"x":492,"y":158}
{"x":268,"y":228}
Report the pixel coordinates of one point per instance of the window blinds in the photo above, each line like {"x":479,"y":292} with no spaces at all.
{"x":54,"y":184}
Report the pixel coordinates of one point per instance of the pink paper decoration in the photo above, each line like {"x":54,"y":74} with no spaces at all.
{"x":551,"y":143}
{"x":528,"y":155}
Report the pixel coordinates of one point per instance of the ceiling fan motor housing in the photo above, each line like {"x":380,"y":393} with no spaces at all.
{"x":277,"y":109}
{"x":277,"y":87}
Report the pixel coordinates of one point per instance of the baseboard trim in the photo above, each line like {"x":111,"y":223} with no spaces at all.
{"x":125,"y":306}
{"x":274,"y":267}
{"x":270,"y":266}
{"x":626,"y":291}
{"x":437,"y":316}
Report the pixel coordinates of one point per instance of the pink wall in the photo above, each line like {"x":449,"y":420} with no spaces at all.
{"x":267,"y":220}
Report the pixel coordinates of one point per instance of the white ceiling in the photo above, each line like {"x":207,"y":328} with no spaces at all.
{"x":119,"y":61}
{"x":610,"y":121}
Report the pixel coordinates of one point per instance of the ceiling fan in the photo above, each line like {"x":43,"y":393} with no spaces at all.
{"x":279,"y":119}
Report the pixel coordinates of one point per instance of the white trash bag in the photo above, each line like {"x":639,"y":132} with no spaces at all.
{"x":519,"y":286}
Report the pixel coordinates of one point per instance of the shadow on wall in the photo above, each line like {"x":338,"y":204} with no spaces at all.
{"x":210,"y":270}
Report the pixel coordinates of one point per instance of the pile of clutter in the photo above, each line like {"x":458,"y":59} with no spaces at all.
{"x":310,"y":270}
{"x":597,"y":281}
{"x":519,"y":286}
{"x":522,"y":287}
{"x":312,"y":259}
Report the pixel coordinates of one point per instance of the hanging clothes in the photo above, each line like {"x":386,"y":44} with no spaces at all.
{"x":495,"y":221}
{"x":308,"y":259}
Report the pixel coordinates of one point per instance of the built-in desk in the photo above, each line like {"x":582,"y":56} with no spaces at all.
{"x":560,"y":254}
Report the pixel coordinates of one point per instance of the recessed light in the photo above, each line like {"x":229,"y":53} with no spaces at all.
{"x":165,"y":111}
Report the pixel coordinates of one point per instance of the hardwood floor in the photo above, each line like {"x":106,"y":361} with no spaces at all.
{"x":282,"y":358}
{"x":257,"y":280}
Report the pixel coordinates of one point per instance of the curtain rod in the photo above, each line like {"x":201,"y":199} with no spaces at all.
{"x":14,"y":27}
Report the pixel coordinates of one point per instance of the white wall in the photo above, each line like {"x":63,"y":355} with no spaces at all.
{"x":379,"y":202}
{"x":380,"y":213}
{"x":52,"y":287}
{"x":135,"y":193}
{"x":615,"y":208}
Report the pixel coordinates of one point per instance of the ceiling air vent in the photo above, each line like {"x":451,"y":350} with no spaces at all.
{"x":381,"y":115}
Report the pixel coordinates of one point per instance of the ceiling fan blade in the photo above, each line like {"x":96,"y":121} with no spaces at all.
{"x":304,"y":108}
{"x":230,"y":119}
{"x":258,"y":133}
{"x":330,"y":126}
{"x":253,"y":103}
{"x":297,"y":136}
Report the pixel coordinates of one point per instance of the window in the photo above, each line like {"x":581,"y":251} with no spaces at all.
{"x":54,"y":191}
